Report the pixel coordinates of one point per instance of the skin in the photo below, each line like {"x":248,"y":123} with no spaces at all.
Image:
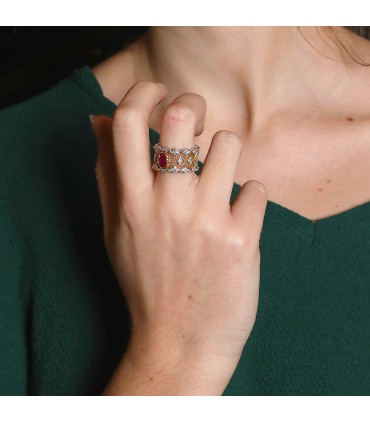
{"x":266,"y":116}
{"x":302,"y":115}
{"x":189,"y":271}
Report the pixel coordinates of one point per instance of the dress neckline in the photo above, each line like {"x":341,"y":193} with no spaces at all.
{"x":276,"y":214}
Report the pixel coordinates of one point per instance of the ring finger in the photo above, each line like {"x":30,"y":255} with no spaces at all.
{"x":182,"y":120}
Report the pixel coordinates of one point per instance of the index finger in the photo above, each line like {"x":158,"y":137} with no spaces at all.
{"x":131,"y":136}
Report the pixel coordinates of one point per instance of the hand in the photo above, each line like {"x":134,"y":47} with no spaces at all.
{"x":187,"y":261}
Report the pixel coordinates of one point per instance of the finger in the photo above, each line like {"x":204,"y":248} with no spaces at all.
{"x":218,"y":172}
{"x":105,"y":171}
{"x":131,"y":137}
{"x":249,"y":208}
{"x":182,"y":120}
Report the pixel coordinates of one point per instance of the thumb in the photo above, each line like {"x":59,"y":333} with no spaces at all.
{"x":249,"y":208}
{"x":105,"y":170}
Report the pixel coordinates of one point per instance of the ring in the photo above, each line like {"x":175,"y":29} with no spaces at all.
{"x":174,"y":160}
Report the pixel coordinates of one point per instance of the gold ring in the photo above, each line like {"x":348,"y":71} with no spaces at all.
{"x":174,"y":160}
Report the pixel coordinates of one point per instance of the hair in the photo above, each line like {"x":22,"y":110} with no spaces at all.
{"x":362,"y":31}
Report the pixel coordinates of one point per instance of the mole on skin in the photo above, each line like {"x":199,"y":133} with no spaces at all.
{"x":350,"y":119}
{"x":320,"y":189}
{"x":190,"y":297}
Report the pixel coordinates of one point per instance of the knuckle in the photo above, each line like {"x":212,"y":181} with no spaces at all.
{"x":179,"y":112}
{"x":125,"y":117}
{"x":210,"y":230}
{"x":227,"y":138}
{"x":241,"y":244}
{"x":149,"y":85}
{"x":126,"y":114}
{"x":236,"y":245}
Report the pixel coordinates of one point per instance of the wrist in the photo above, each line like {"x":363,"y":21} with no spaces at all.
{"x":169,"y":371}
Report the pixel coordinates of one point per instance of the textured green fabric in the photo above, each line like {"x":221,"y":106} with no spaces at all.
{"x":63,"y":321}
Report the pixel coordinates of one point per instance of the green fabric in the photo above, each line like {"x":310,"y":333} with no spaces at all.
{"x":64,"y":324}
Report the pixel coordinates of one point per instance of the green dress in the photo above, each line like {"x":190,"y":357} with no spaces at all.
{"x":64,"y":324}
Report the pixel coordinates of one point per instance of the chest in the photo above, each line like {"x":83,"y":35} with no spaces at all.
{"x":316,"y":170}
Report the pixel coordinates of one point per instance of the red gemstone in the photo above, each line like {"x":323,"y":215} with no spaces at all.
{"x":162,"y":160}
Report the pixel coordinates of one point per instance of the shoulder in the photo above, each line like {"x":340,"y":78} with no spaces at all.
{"x":37,"y":115}
{"x":54,"y":116}
{"x":46,"y":142}
{"x":78,"y":90}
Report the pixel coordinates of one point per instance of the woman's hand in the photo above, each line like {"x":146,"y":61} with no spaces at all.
{"x":187,"y":261}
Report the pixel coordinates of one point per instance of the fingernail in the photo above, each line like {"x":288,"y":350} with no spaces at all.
{"x":92,"y":117}
{"x":258,"y":184}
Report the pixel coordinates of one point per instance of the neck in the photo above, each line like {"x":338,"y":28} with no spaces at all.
{"x":248,"y":73}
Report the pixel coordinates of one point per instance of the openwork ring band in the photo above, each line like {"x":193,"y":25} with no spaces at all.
{"x":174,"y":160}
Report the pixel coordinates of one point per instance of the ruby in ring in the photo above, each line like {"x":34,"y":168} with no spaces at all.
{"x":162,"y":160}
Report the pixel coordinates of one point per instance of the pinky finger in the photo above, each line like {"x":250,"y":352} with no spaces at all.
{"x":249,"y":208}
